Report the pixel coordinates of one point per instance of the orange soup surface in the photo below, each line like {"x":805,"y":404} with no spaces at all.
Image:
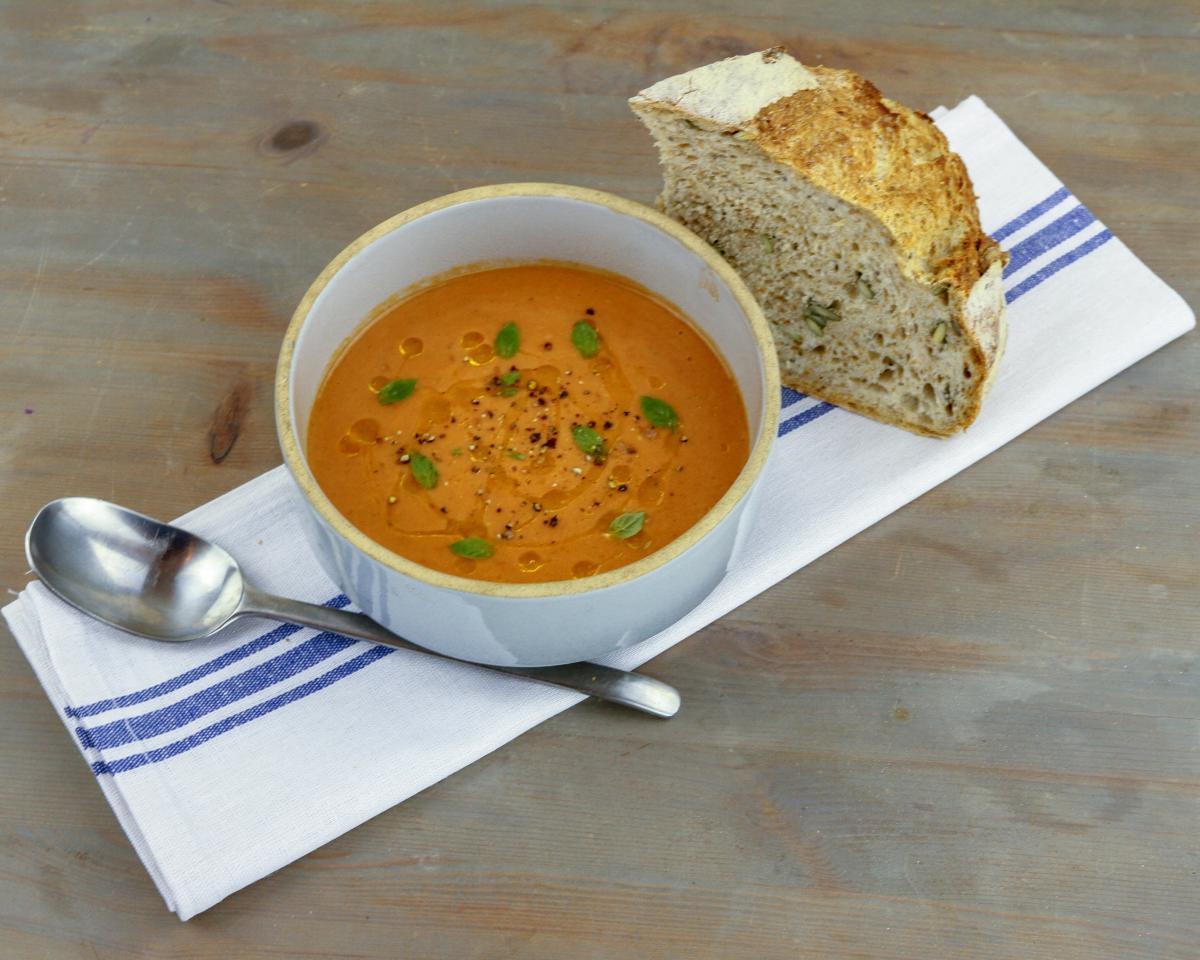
{"x":526,"y":424}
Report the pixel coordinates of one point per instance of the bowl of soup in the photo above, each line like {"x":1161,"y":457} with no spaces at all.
{"x":527,"y":422}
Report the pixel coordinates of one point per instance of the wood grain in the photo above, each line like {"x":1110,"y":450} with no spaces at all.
{"x":970,"y":732}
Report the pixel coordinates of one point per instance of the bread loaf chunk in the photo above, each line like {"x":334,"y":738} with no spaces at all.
{"x":853,"y":223}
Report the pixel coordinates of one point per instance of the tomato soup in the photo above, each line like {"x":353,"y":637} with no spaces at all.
{"x":526,"y":424}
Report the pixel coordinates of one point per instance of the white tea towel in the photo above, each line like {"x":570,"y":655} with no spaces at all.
{"x":227,"y":759}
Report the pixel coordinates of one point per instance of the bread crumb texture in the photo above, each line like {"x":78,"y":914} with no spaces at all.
{"x":853,"y":223}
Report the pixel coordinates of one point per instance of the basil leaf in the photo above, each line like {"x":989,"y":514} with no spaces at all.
{"x":508,"y":341}
{"x":585,"y":338}
{"x":397,"y":390}
{"x":473,"y":548}
{"x":511,"y":377}
{"x":627,"y":525}
{"x":423,"y":470}
{"x":514,"y":454}
{"x":660,"y":413}
{"x":589,"y":441}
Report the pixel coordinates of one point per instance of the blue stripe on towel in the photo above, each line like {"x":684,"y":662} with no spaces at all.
{"x":1048,"y":238}
{"x":203,"y":702}
{"x":807,"y":416}
{"x":282,"y":632}
{"x":1054,"y":266}
{"x":1015,"y":224}
{"x":132,"y":762}
{"x":790,"y":396}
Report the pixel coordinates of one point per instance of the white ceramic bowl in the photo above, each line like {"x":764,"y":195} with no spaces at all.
{"x":535,"y":623}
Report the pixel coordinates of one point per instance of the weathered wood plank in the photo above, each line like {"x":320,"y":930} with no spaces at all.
{"x":971,"y":731}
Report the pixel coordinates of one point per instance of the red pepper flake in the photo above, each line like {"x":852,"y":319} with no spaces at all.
{"x":554,"y":521}
{"x":590,"y":312}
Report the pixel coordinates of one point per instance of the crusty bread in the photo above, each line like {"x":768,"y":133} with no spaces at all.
{"x":853,"y":223}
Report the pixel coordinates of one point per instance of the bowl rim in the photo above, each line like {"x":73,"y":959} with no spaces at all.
{"x":756,"y":460}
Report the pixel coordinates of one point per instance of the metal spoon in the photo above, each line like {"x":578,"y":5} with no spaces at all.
{"x":157,"y":581}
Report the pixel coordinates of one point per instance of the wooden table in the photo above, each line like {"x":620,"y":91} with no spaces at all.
{"x":969,"y":732}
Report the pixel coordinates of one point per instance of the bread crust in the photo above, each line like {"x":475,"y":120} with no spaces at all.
{"x":847,"y":138}
{"x":893,"y":164}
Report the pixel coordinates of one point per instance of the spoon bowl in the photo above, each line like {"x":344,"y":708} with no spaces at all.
{"x":160,"y":582}
{"x":132,"y":572}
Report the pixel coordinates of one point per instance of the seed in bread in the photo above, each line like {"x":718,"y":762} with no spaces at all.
{"x":853,"y":223}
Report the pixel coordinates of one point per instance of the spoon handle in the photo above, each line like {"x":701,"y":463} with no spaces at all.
{"x":605,"y":683}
